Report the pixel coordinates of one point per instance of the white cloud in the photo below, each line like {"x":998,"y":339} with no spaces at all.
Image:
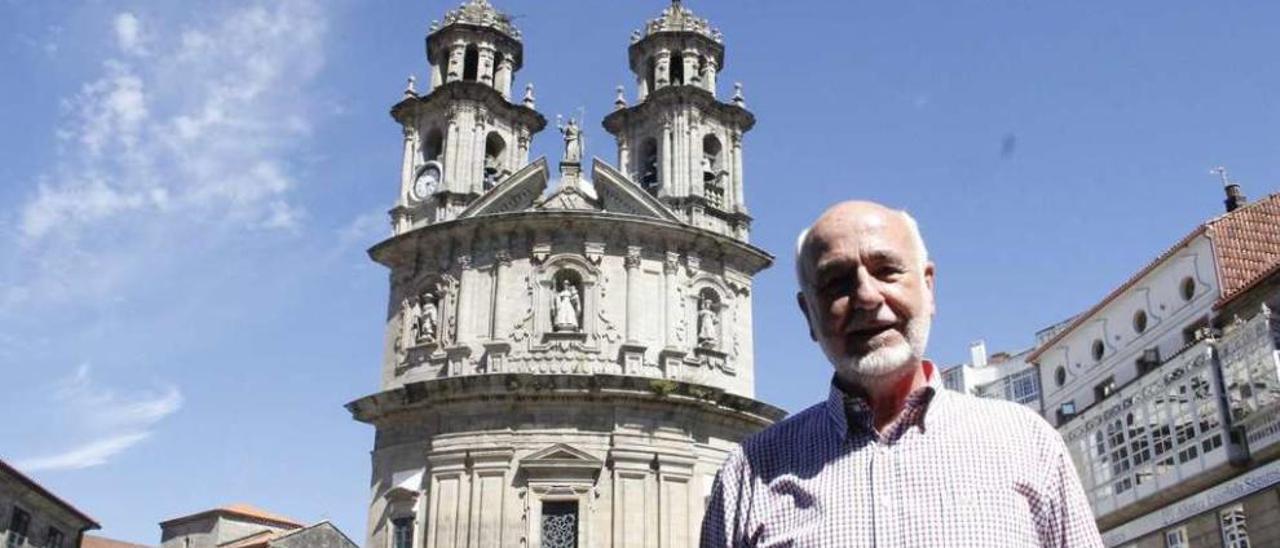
{"x":112,"y":422}
{"x":189,"y":131}
{"x":91,"y":454}
{"x":129,"y":34}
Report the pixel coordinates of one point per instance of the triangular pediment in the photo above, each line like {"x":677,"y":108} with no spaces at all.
{"x":518,"y":192}
{"x":619,"y":194}
{"x":561,"y":454}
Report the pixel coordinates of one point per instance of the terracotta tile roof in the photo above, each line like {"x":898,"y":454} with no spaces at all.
{"x":30,"y":483}
{"x":1246,"y":244}
{"x":241,"y":510}
{"x":1246,"y":248}
{"x":91,"y":541}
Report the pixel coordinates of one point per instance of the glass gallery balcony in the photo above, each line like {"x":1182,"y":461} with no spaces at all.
{"x":1175,"y":429}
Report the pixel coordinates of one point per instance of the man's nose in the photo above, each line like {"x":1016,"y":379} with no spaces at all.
{"x":866,"y":292}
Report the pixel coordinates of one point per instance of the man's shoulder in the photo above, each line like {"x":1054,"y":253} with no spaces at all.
{"x":784,"y":433}
{"x":992,"y":415}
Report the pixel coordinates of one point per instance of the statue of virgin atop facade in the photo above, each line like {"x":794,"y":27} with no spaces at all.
{"x":572,"y":141}
{"x":565,"y":307}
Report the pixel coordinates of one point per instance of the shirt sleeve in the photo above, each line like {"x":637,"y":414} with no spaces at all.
{"x":720,"y":522}
{"x":1067,"y":520}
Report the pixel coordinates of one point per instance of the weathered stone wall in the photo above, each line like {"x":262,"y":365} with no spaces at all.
{"x":474,"y":466}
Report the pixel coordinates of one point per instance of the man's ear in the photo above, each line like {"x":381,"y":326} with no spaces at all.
{"x":804,"y":309}
{"x":928,"y":282}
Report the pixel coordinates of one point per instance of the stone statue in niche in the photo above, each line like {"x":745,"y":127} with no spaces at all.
{"x":426,"y":327}
{"x":708,"y":324}
{"x":565,"y":308}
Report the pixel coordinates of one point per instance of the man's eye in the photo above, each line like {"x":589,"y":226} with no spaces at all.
{"x":836,"y":286}
{"x":889,"y":271}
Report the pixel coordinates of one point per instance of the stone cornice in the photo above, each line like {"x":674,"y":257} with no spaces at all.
{"x":452,"y":93}
{"x":528,"y":386}
{"x":399,"y":251}
{"x":666,"y":98}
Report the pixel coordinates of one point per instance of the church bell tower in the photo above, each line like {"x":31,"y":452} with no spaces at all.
{"x":465,"y":135}
{"x":679,"y":141}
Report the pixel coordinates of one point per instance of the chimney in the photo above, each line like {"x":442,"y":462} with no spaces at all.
{"x":1235,"y":197}
{"x":978,"y":353}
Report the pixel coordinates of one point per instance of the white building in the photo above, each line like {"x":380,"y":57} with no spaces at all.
{"x":1003,"y":375}
{"x":1166,"y":390}
{"x":567,"y":369}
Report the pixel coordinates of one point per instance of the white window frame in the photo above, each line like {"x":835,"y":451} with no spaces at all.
{"x":1176,"y":538}
{"x":1231,"y":521}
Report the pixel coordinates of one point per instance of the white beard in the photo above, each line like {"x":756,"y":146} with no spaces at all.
{"x":889,"y":362}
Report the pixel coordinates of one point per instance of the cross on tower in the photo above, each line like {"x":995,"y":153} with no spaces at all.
{"x":1222,"y":173}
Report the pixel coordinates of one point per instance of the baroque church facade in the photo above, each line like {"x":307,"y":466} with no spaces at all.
{"x":568,"y":355}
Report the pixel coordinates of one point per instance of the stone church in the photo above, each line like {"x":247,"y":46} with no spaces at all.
{"x":568,"y":354}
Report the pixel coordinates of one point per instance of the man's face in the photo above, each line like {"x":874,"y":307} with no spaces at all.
{"x":865,"y":292}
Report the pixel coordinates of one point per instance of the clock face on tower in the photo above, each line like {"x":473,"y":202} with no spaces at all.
{"x":426,"y":182}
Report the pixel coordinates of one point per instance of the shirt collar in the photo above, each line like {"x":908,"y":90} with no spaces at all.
{"x":852,"y":416}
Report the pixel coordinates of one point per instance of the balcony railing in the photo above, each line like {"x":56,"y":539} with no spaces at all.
{"x":1171,"y":425}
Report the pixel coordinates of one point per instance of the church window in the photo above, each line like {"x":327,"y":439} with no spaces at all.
{"x":402,"y":533}
{"x":1188,"y":288}
{"x":494,"y":168}
{"x":677,"y":69}
{"x":560,"y":524}
{"x":649,"y":179}
{"x":652,"y":73}
{"x":433,"y":145}
{"x":1060,"y":376}
{"x":712,"y":183}
{"x":471,"y":63}
{"x":1098,"y":350}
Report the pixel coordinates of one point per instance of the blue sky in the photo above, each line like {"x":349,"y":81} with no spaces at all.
{"x":189,"y":188}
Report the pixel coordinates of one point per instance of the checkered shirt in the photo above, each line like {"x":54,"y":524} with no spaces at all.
{"x":952,"y":470}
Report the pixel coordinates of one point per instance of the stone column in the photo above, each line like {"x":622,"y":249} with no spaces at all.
{"x":670,"y":310}
{"x":690,"y":68}
{"x":437,"y":69}
{"x":457,"y":56}
{"x":522,"y":142}
{"x":502,"y":79}
{"x":452,"y":142}
{"x":663,"y":70}
{"x":408,"y":162}
{"x":738,"y":200}
{"x":475,"y":157}
{"x":485,"y":65}
{"x":632,"y":262}
{"x":709,"y":76}
{"x":675,"y":495}
{"x":664,"y":162}
{"x":624,"y":156}
{"x":501,"y":264}
{"x":465,"y":314}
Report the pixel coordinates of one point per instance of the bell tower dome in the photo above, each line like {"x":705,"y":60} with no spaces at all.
{"x":679,"y":142}
{"x":464,"y":135}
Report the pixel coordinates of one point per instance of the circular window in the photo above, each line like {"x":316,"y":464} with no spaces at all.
{"x":1140,"y":321}
{"x":1098,"y":350}
{"x":1188,"y":288}
{"x":1060,"y":376}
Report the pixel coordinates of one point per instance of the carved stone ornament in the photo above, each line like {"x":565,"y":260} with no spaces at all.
{"x":633,"y":257}
{"x":671,"y":264}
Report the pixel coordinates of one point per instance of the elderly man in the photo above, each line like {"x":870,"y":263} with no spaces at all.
{"x":891,"y":458}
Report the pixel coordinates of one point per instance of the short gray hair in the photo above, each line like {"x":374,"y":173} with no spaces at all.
{"x":913,"y":228}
